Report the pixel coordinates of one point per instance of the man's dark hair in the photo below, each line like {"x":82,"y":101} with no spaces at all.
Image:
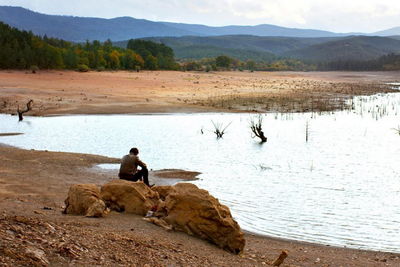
{"x":134,"y":151}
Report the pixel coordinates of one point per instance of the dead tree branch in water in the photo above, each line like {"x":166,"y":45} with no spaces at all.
{"x":28,"y":108}
{"x":397,"y":130}
{"x":219,"y":129}
{"x":256,"y":128}
{"x":307,"y":130}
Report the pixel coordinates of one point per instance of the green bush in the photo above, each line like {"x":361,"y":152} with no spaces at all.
{"x":83,"y":68}
{"x":34,"y":68}
{"x":101,"y":68}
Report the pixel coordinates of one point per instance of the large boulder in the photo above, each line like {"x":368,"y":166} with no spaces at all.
{"x":131,"y":197}
{"x":163,"y":190}
{"x":84,"y":199}
{"x":194,"y":211}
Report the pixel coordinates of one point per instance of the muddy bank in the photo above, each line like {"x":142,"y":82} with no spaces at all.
{"x":34,"y":184}
{"x":68,"y":92}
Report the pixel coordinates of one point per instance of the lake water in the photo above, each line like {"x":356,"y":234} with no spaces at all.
{"x":342,"y":187}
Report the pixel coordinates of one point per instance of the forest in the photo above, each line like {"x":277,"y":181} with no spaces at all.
{"x":24,"y":50}
{"x":388,"y":62}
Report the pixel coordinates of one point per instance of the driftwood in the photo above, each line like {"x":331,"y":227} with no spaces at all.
{"x":28,"y":108}
{"x":256,"y":128}
{"x":280,"y":259}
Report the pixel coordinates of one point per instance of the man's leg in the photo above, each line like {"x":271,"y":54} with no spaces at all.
{"x":143,"y":175}
{"x":128,"y":177}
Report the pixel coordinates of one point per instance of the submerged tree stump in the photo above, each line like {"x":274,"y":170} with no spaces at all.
{"x":28,"y":108}
{"x":256,"y":128}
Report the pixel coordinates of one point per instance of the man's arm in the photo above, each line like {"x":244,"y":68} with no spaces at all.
{"x":141,"y":163}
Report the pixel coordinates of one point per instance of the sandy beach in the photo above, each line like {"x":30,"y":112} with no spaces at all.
{"x":34,"y":184}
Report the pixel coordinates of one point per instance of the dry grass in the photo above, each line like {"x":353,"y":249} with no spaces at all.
{"x":317,"y":96}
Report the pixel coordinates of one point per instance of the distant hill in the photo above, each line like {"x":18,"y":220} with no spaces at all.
{"x":388,"y":32}
{"x":82,"y":28}
{"x":275,"y":45}
{"x":192,"y":41}
{"x":350,"y":48}
{"x":193,"y":50}
{"x":264,"y":48}
{"x":258,"y":30}
{"x":395,"y":37}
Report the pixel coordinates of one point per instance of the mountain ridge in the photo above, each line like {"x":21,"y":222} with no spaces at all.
{"x":359,"y":48}
{"x":78,"y":29}
{"x":195,"y":41}
{"x":258,"y":48}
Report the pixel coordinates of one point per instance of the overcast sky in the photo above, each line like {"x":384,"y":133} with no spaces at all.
{"x":332,"y":15}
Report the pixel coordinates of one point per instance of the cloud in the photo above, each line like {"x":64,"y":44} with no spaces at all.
{"x":338,"y":15}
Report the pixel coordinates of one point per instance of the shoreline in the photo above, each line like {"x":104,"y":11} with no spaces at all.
{"x":68,"y":92}
{"x":24,"y":192}
{"x":68,"y":168}
{"x":173,"y":176}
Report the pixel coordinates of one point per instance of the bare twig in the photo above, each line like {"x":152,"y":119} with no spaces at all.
{"x":256,"y":128}
{"x":397,"y":130}
{"x":219,"y":129}
{"x":28,"y":108}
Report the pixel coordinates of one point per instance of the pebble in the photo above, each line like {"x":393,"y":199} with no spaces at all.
{"x":37,"y":255}
{"x":38,"y":212}
{"x":49,"y":227}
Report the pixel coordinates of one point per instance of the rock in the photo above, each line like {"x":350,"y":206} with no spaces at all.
{"x":159,"y":222}
{"x":131,"y":197}
{"x":37,"y":255}
{"x":84,"y":199}
{"x":163,"y":191}
{"x":194,"y":211}
{"x":49,"y":227}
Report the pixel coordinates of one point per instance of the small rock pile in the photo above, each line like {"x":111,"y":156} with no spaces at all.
{"x":183,"y":207}
{"x":25,"y":242}
{"x":33,"y":241}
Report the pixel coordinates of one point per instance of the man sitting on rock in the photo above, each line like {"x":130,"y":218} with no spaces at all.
{"x":129,"y":171}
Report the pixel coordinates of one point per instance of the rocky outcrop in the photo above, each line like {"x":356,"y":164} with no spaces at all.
{"x":194,"y":211}
{"x":131,"y":197}
{"x":183,"y":207}
{"x":84,"y":199}
{"x":163,"y":190}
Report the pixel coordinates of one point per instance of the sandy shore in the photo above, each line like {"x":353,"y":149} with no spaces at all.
{"x":69,"y":92}
{"x":34,"y":184}
{"x":31,"y":199}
